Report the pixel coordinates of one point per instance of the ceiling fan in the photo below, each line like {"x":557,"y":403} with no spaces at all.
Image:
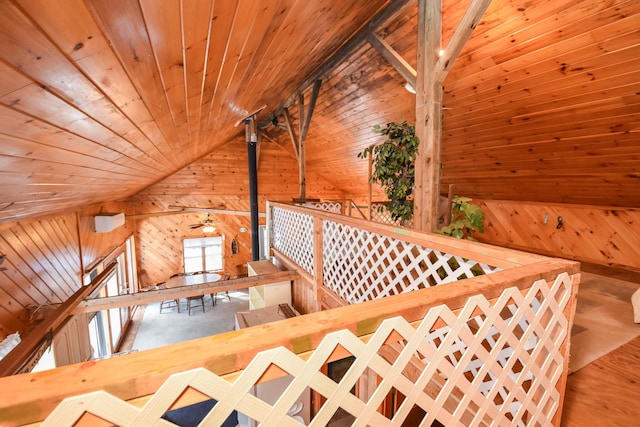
{"x":208,"y":225}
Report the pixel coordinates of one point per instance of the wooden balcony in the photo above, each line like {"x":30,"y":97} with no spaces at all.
{"x":466,"y":333}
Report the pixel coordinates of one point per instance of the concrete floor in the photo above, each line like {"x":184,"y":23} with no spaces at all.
{"x":152,"y":329}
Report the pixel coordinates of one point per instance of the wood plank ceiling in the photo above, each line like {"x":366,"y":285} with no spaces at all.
{"x":101,"y":98}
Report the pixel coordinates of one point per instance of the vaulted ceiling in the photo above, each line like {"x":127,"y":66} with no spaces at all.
{"x":102,"y":98}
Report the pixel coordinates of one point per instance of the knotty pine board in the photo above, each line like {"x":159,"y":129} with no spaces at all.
{"x":42,"y":267}
{"x":600,"y":235}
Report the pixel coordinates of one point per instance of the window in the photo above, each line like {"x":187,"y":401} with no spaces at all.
{"x":203,"y":254}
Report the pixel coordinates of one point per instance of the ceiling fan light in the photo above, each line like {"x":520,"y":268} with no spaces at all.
{"x":208,"y":229}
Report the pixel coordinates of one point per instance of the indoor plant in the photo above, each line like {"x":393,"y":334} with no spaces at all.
{"x":466,"y":218}
{"x":394,"y":167}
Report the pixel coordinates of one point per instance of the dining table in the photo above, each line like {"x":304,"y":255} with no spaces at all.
{"x":190,"y":280}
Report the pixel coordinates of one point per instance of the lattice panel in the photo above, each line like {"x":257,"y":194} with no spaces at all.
{"x":481,"y":385}
{"x":335,"y":207}
{"x":292,"y":234}
{"x":379,"y":213}
{"x":361,"y":265}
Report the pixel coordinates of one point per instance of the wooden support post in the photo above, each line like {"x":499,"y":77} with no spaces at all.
{"x":432,"y":69}
{"x":446,"y":211}
{"x":428,"y":116}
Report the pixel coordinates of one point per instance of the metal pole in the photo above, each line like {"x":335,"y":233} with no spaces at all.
{"x":252,"y":142}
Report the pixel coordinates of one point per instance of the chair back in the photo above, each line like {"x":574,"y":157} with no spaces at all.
{"x":178,"y":274}
{"x":143,"y":279}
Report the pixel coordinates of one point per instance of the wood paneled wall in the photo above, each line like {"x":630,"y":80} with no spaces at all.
{"x":43,"y":260}
{"x":218,"y":178}
{"x":42,"y":267}
{"x":600,"y":235}
{"x":98,"y":245}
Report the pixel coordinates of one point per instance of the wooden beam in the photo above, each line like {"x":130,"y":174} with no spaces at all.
{"x":279,"y":144}
{"x":395,"y":8}
{"x":311,"y":108}
{"x":304,"y":123}
{"x":15,"y":359}
{"x":465,"y":28}
{"x":428,"y":116}
{"x":181,"y":212}
{"x":394,"y":58}
{"x":140,"y":298}
{"x":292,"y":131}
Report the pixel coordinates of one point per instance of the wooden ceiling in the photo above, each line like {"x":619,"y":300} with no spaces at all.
{"x":99,"y":99}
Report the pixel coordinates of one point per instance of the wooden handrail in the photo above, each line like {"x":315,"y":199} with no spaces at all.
{"x":139,"y":298}
{"x":28,"y":398}
{"x":491,"y":255}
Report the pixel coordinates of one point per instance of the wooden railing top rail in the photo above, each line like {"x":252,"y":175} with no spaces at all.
{"x":28,"y":398}
{"x":488,"y":254}
{"x":139,"y":298}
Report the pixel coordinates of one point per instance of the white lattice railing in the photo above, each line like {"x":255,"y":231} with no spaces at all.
{"x":380,"y":213}
{"x":491,"y":352}
{"x":291,"y":232}
{"x":328,"y":206}
{"x":361,"y":261}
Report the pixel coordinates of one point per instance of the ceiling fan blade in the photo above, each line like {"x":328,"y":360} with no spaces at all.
{"x":194,"y":226}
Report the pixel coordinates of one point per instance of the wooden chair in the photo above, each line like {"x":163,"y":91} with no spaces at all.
{"x":144,"y":284}
{"x":191,"y":300}
{"x":169,"y":303}
{"x":223,"y":276}
{"x":242,"y":270}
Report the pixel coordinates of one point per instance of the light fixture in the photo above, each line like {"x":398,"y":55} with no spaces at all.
{"x":410,"y":88}
{"x":243,"y":229}
{"x":441,"y":52}
{"x":208,"y":229}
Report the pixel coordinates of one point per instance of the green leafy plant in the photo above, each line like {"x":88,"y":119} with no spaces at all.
{"x":394,"y":166}
{"x":466,"y":218}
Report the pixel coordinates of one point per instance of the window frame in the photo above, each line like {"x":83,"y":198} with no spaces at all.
{"x":205,"y":242}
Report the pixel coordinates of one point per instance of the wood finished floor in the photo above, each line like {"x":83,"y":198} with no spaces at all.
{"x":605,"y":392}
